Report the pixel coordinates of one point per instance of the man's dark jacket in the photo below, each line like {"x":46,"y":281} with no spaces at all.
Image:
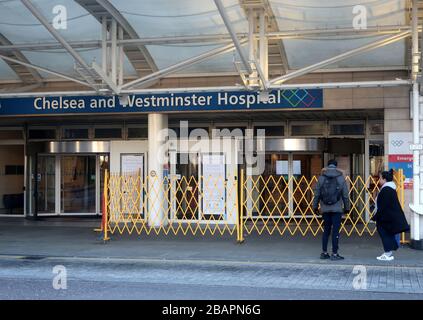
{"x":344,"y":202}
{"x":390,"y":215}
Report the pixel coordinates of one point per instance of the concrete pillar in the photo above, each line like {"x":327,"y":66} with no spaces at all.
{"x":157,"y":202}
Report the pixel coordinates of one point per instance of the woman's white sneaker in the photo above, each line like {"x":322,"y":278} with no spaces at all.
{"x":385,"y":257}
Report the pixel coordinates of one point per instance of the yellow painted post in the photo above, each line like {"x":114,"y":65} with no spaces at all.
{"x":241,"y":211}
{"x":105,"y":195}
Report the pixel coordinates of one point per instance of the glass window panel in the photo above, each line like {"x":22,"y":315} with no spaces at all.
{"x":11,"y":134}
{"x":376,"y":128}
{"x":137,"y":133}
{"x":108,"y":133}
{"x":347,"y":129}
{"x":75,"y":133}
{"x":42,"y":134}
{"x":182,"y":17}
{"x":13,"y":170}
{"x":229,"y":132}
{"x":307,"y":129}
{"x":271,"y":131}
{"x":6,"y":72}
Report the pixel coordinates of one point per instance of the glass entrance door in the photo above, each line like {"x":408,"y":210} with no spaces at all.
{"x":274,"y":186}
{"x":286,"y":189}
{"x":78,"y":184}
{"x":68,"y":184}
{"x":44,"y":185}
{"x":304,"y":168}
{"x":185,"y":202}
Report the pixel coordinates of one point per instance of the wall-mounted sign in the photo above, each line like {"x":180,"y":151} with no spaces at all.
{"x":132,"y":163}
{"x":213,"y":184}
{"x":400,"y":156}
{"x":173,"y":102}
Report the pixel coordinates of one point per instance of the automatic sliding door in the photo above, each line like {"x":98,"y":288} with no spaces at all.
{"x":186,"y":186}
{"x":304,"y":168}
{"x":78,"y":184}
{"x":45,"y":184}
{"x":272,"y":190}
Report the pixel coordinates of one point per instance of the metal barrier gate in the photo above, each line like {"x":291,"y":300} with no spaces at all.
{"x":219,"y":205}
{"x":275,"y":204}
{"x":189,"y":205}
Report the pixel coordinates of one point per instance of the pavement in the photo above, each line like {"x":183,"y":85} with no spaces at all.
{"x":74,"y":237}
{"x":23,"y":278}
{"x":263,"y":267}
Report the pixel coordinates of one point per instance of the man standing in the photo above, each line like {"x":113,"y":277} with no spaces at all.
{"x":332,"y":193}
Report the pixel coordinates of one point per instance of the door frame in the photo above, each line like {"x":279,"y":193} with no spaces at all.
{"x":290,"y":155}
{"x":173,"y":156}
{"x":58,"y":181}
{"x":199,"y":155}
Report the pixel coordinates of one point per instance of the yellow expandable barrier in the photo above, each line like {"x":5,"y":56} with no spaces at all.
{"x":278,"y":204}
{"x":218,"y":205}
{"x":189,"y":205}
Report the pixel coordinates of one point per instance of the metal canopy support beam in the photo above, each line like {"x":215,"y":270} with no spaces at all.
{"x":129,"y":30}
{"x":61,"y":75}
{"x":18,"y":54}
{"x":223,"y":38}
{"x":252,"y":46}
{"x":233,"y":34}
{"x":121,"y":58}
{"x":104,"y":44}
{"x":179,"y":66}
{"x":37,"y":14}
{"x":114,"y":51}
{"x":341,"y":57}
{"x":24,"y":88}
{"x":109,"y":81}
{"x":264,"y":65}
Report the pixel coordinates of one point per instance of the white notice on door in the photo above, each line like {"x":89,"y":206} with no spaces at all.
{"x":132,"y":163}
{"x":213,"y":169}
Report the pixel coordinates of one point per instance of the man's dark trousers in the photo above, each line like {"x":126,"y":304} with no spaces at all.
{"x":331,"y":222}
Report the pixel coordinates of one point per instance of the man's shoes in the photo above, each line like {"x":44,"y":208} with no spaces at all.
{"x":336,"y":257}
{"x":324,"y":256}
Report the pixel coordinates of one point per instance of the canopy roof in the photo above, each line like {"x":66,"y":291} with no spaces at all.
{"x":200,"y":19}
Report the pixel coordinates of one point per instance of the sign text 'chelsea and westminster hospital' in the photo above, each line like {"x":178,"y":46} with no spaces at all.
{"x":171,"y":102}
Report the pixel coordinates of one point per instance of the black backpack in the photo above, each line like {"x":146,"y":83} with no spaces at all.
{"x":330,"y":191}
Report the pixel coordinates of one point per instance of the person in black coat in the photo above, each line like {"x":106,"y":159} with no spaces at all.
{"x":389,"y":217}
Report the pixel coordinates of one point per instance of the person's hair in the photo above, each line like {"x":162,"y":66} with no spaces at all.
{"x":387,"y":175}
{"x":332,"y":162}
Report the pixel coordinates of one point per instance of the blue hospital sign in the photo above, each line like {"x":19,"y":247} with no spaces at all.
{"x":170,"y":102}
